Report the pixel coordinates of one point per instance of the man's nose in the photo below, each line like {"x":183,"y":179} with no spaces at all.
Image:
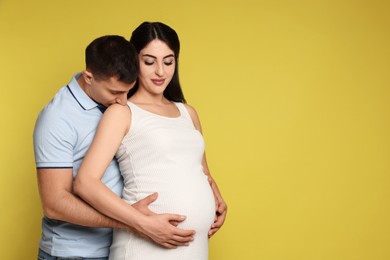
{"x":122,"y":99}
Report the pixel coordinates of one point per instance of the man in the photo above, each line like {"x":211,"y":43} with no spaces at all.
{"x":63,"y":132}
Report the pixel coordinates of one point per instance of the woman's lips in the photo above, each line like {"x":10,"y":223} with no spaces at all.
{"x":158,"y":82}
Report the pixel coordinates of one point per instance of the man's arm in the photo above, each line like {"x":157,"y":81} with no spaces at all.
{"x":58,"y":201}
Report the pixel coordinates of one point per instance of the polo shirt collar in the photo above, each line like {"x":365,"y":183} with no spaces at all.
{"x":81,"y":97}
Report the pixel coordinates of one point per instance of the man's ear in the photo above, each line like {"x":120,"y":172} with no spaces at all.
{"x":88,"y":76}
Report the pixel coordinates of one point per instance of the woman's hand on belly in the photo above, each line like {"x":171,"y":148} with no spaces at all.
{"x":220,"y":205}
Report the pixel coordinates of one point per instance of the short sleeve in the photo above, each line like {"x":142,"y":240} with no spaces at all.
{"x":54,"y":139}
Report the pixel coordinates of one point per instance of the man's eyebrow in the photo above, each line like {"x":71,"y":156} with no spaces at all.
{"x":117,"y":91}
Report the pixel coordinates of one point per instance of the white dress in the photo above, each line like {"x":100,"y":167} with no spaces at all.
{"x":164,"y":155}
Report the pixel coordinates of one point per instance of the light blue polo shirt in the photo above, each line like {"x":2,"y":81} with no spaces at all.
{"x":63,"y":133}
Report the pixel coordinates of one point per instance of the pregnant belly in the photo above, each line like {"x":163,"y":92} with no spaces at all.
{"x":186,"y":194}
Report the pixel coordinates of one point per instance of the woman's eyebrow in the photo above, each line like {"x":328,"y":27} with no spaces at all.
{"x":154,"y":57}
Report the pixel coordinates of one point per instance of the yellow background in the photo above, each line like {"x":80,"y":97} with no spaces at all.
{"x":294,"y":101}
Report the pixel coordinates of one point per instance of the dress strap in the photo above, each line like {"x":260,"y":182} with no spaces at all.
{"x":183,"y":110}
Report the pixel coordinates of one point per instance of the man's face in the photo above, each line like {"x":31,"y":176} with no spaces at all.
{"x":108,"y":91}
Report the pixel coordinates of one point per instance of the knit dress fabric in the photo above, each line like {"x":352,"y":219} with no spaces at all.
{"x":164,"y":155}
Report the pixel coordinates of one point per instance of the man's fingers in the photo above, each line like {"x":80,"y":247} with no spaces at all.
{"x":181,"y":241}
{"x":168,"y":245}
{"x":175,"y":217}
{"x":185,"y":234}
{"x":175,"y":220}
{"x":174,"y":223}
{"x":143,"y":204}
{"x":178,"y":240}
{"x":150,"y":199}
{"x":164,"y":231}
{"x":174,"y":244}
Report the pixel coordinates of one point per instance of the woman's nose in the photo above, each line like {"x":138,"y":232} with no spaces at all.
{"x":159,"y":70}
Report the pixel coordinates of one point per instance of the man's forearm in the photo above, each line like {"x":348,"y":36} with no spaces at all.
{"x":72,"y":209}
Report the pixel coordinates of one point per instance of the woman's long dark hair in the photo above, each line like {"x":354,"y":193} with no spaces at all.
{"x":142,"y":36}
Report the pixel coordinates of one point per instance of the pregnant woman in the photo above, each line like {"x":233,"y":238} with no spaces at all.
{"x":157,"y":141}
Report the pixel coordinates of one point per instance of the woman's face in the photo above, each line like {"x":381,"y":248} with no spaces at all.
{"x":157,"y":66}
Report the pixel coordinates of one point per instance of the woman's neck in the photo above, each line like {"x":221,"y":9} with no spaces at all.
{"x":140,"y":97}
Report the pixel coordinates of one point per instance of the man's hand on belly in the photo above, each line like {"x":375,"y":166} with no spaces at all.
{"x":162,"y":229}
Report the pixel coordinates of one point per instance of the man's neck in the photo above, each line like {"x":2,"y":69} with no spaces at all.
{"x":82,"y":84}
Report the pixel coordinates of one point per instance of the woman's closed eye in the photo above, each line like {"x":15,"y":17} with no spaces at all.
{"x":149,"y":62}
{"x":167,"y":63}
